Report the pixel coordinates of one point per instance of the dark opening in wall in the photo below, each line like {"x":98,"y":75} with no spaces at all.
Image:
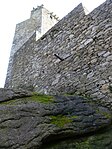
{"x":97,"y":85}
{"x":61,"y":59}
{"x":51,"y":17}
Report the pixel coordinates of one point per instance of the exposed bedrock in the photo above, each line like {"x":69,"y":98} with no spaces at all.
{"x":34,"y":121}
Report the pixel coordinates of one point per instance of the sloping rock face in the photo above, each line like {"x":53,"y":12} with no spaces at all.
{"x":34,"y":121}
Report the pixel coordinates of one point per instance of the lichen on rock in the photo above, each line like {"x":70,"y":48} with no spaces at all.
{"x":28,"y":122}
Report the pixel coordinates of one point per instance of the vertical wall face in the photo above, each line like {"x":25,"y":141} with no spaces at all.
{"x":24,"y":30}
{"x":74,"y":56}
{"x":48,"y":20}
{"x":25,"y":58}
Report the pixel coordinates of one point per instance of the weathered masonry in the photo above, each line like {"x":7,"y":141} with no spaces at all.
{"x":75,"y":55}
{"x":40,"y":21}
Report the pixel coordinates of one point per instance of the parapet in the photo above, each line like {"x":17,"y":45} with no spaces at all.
{"x":40,"y":8}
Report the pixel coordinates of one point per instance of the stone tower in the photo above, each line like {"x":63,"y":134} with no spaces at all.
{"x":40,"y":21}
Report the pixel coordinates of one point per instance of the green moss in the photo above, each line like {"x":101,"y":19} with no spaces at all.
{"x":98,"y":140}
{"x":60,"y":120}
{"x":10,"y":102}
{"x":41,"y":98}
{"x":74,"y":117}
{"x":105,"y":114}
{"x":83,"y":145}
{"x":35,"y":97}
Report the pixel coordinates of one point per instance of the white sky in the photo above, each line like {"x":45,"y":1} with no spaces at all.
{"x":15,"y":11}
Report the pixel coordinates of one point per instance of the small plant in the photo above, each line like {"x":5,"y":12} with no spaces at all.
{"x":74,"y":117}
{"x":83,"y":145}
{"x":8,"y":102}
{"x":41,"y":98}
{"x":60,"y":120}
{"x":35,"y":97}
{"x":105,"y":114}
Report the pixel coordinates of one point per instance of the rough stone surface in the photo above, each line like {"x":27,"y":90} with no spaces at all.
{"x":78,"y":49}
{"x":100,"y":141}
{"x":7,"y":94}
{"x":33,"y":123}
{"x":40,"y":21}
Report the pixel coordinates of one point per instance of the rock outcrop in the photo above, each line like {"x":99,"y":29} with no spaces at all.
{"x":33,"y":121}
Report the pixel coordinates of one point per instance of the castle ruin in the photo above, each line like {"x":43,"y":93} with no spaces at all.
{"x":74,"y":56}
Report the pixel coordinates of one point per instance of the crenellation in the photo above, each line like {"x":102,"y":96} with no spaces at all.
{"x":74,"y":56}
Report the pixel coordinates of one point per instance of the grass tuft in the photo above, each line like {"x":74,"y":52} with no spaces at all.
{"x":41,"y":98}
{"x":60,"y":120}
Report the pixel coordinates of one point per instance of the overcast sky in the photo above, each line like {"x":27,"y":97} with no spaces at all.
{"x":15,"y":11}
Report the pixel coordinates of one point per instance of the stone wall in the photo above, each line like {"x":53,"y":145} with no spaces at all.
{"x":40,"y":21}
{"x":73,"y":56}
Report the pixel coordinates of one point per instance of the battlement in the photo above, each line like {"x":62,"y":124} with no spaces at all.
{"x":35,"y":9}
{"x":74,"y":56}
{"x":51,"y":14}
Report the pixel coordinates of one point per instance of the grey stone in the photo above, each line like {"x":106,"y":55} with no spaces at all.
{"x":71,"y":36}
{"x":104,"y":64}
{"x":110,"y":78}
{"x":102,"y":82}
{"x":83,"y":43}
{"x":109,"y":58}
{"x":8,"y":94}
{"x":31,"y":122}
{"x":106,"y":54}
{"x":90,"y":75}
{"x":57,"y":77}
{"x":101,"y":53}
{"x":37,"y":24}
{"x":94,"y":60}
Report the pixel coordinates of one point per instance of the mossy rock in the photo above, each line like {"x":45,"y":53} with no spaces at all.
{"x":100,"y":140}
{"x":69,"y":121}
